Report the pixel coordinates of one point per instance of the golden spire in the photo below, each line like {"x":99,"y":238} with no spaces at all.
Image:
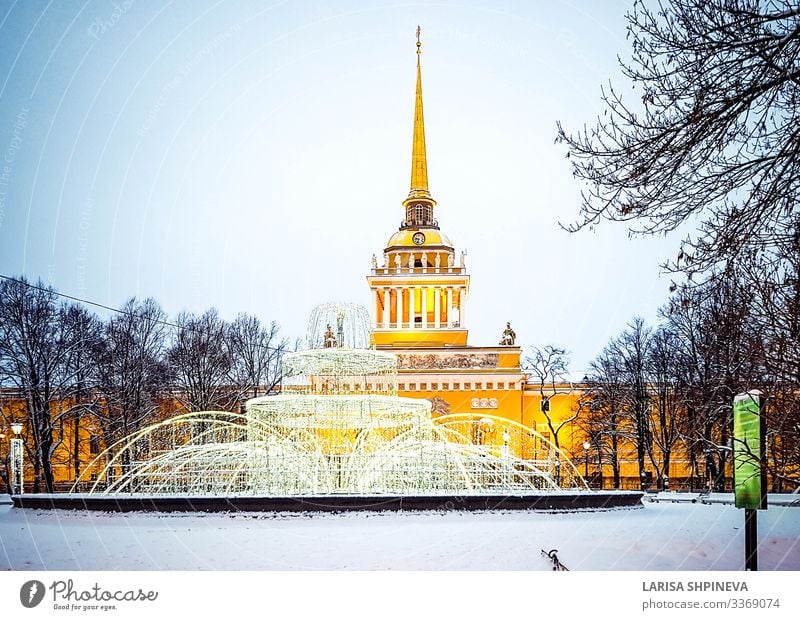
{"x":419,"y":161}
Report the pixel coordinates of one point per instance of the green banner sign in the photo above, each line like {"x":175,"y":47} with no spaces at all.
{"x":749,"y":471}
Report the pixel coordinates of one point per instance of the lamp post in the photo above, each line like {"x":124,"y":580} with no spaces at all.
{"x":17,"y":484}
{"x":4,"y":462}
{"x":586,"y":446}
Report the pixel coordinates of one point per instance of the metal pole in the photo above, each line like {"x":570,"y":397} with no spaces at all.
{"x":17,"y":476}
{"x":586,"y":446}
{"x":750,"y":539}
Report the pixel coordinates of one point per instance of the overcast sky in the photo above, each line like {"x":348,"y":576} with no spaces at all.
{"x":253,"y":155}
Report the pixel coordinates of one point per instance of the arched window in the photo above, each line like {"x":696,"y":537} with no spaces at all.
{"x":419,"y":214}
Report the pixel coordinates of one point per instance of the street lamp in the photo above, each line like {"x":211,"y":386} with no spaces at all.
{"x":4,"y":462}
{"x":17,"y":484}
{"x":586,"y":446}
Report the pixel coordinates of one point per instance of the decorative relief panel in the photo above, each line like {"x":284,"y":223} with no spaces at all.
{"x":456,"y":360}
{"x":484,"y":403}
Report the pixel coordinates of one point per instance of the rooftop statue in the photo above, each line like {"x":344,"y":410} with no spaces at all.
{"x":509,"y":336}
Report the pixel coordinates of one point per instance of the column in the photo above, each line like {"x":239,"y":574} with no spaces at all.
{"x":398,"y":306}
{"x":437,"y":307}
{"x":449,"y":306}
{"x":376,"y":302}
{"x":411,"y":322}
{"x":386,"y":299}
{"x":462,"y":303}
{"x":424,"y":306}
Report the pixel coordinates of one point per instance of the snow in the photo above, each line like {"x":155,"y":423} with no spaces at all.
{"x":658,"y":536}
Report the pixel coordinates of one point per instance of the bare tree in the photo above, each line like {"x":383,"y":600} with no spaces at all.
{"x":719,"y":344}
{"x":32,"y":350}
{"x":201,"y":362}
{"x":775,"y":316}
{"x":668,"y":419}
{"x":631,"y":350}
{"x":605,"y":423}
{"x":85,"y":342}
{"x":548,"y":367}
{"x":711,"y":136}
{"x":132,"y":375}
{"x":713,"y":133}
{"x":255,"y":354}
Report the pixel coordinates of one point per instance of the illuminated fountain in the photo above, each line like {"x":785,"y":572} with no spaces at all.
{"x":348,"y":324}
{"x":337,"y":428}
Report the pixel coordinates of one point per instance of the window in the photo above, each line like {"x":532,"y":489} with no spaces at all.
{"x":456,"y":386}
{"x":412,"y":386}
{"x":501,"y":386}
{"x":445,"y":386}
{"x":419,"y":214}
{"x":490,"y":386}
{"x":369,"y":387}
{"x":401,"y":386}
{"x":479,"y":386}
{"x":434,"y":386}
{"x":94,"y":445}
{"x":467,"y":386}
{"x":423,"y":386}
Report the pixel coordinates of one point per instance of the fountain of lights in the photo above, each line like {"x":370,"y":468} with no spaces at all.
{"x":337,"y":430}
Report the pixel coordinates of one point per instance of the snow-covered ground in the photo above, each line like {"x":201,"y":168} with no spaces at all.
{"x":661,"y":536}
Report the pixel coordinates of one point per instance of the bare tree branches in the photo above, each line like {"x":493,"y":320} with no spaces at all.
{"x":548,"y":367}
{"x":33,"y":349}
{"x":81,"y":378}
{"x":256,"y":352}
{"x":132,"y":375}
{"x":715,"y":132}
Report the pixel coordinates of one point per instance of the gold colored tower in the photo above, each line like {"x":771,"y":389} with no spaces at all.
{"x":419,"y":294}
{"x":419,"y":303}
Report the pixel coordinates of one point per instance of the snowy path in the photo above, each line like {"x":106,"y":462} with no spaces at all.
{"x":656,"y":537}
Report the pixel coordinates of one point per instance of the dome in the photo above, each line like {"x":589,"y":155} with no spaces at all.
{"x":432,"y":237}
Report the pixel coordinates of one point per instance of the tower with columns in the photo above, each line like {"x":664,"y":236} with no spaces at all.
{"x":418,"y":301}
{"x":419,"y":293}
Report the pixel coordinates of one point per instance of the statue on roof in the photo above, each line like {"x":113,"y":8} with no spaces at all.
{"x":509,"y":336}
